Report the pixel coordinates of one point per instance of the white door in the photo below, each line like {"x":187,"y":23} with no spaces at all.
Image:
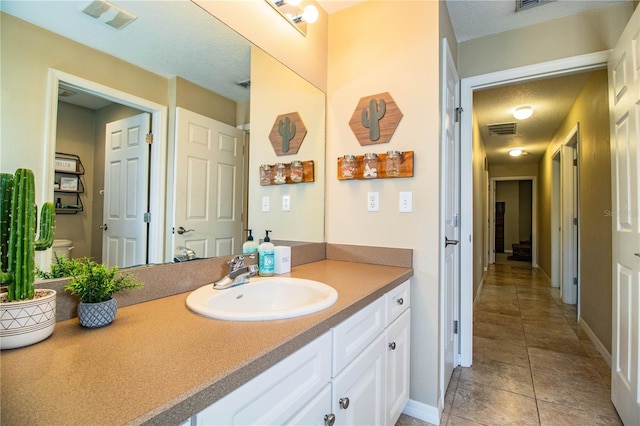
{"x":208,"y":185}
{"x":624,"y":106}
{"x":126,"y":194}
{"x":450,"y":279}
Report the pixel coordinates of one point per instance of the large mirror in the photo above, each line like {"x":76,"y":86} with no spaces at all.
{"x":85,"y":82}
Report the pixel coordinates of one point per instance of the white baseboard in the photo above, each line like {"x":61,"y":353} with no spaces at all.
{"x":421,"y":411}
{"x":596,"y":342}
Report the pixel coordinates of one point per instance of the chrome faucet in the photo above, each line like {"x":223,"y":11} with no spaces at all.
{"x":239,"y":273}
{"x":187,"y":254}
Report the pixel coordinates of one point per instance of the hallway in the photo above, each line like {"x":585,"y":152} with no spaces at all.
{"x":531,"y":363}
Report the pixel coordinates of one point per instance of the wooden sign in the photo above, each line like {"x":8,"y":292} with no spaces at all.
{"x":287,"y":134}
{"x":375,"y":119}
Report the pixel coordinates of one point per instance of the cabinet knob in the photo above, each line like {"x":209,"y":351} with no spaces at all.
{"x":392,"y":346}
{"x":344,"y":403}
{"x":329,"y":419}
{"x":400,"y":301}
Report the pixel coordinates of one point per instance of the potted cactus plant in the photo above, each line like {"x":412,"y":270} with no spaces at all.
{"x":27,"y":315}
{"x":95,"y":284}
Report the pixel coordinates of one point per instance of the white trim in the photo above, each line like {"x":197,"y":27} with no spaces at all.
{"x":421,"y":411}
{"x":596,"y":342}
{"x":158,"y":162}
{"x":468,"y":85}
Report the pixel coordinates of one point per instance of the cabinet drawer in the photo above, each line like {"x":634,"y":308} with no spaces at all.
{"x":354,"y":334}
{"x":397,"y":301}
{"x":274,"y":395}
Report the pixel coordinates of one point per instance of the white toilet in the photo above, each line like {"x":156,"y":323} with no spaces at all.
{"x":62,"y":248}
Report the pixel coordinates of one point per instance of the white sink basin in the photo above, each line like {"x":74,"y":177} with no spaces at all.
{"x":267,"y":298}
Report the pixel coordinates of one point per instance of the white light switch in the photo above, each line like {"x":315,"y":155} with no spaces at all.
{"x":265,"y":203}
{"x":286,"y":203}
{"x":406,"y":202}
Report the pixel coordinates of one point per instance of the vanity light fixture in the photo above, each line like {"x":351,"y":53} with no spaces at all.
{"x":109,"y":13}
{"x":298,"y":17}
{"x":522,"y":113}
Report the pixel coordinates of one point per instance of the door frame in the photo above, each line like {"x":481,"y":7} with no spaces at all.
{"x":158,"y":161}
{"x":468,"y":85}
{"x":534,"y":215}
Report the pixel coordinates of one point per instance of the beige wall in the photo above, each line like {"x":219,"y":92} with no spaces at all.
{"x":204,"y":102}
{"x":591,"y":113}
{"x":257,"y":21}
{"x":480,"y":194}
{"x":276,"y":90}
{"x":75,"y":135}
{"x":399,"y":58}
{"x":592,"y":31}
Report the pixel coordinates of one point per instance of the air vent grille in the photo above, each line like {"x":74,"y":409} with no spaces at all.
{"x":502,"y":129}
{"x":528,"y":4}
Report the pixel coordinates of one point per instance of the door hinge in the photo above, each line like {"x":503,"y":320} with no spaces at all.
{"x":455,"y":327}
{"x":575,"y":221}
{"x":575,"y":161}
{"x":147,"y":217}
{"x":149,"y":138}
{"x":575,"y":280}
{"x":458,"y":114}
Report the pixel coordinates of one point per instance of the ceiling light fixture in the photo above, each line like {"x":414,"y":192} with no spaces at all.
{"x":516,"y":152}
{"x":522,"y":113}
{"x":298,"y":17}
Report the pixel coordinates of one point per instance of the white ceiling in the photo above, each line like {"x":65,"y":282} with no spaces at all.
{"x":177,"y":38}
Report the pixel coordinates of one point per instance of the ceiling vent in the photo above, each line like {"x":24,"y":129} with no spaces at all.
{"x":528,"y":4}
{"x":502,"y":129}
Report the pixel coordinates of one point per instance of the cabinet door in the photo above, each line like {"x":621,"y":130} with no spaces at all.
{"x":358,"y":392}
{"x":313,"y":414}
{"x":354,"y":334}
{"x":397,"y":374}
{"x":275,"y":395}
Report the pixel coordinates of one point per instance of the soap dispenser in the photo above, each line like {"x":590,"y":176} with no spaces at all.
{"x":266,"y":254}
{"x":250,"y":246}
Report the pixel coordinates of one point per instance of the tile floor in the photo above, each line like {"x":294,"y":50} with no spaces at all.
{"x":532,"y":364}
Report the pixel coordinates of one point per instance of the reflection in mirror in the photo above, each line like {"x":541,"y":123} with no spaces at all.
{"x":175,"y":56}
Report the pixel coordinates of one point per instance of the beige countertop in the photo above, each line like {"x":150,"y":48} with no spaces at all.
{"x":160,"y":363}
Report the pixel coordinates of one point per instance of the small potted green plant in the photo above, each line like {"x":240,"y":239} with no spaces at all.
{"x":95,"y":284}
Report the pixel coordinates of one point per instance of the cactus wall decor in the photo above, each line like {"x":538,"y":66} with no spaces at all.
{"x":287,"y":133}
{"x":287,"y":130}
{"x":18,"y":222}
{"x":375,"y":119}
{"x":371,"y":117}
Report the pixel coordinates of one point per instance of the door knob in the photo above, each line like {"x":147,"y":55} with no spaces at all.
{"x":181,"y":230}
{"x":103,"y":227}
{"x":448,"y":242}
{"x":636,"y":254}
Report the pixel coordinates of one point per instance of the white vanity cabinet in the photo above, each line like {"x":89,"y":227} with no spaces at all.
{"x":356,"y":373}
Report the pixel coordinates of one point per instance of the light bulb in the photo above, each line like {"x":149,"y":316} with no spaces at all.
{"x":516,"y":152}
{"x":523,"y":113}
{"x":310,"y":14}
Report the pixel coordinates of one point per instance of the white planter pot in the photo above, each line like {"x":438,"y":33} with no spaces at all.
{"x":25,"y":322}
{"x":94,"y":315}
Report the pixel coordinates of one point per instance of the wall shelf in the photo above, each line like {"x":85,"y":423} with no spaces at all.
{"x":406,"y":167}
{"x":68,"y":183}
{"x":307,"y":174}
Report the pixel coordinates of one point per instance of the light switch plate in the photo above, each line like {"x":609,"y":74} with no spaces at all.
{"x":286,"y":203}
{"x":406,"y":202}
{"x":265,"y":203}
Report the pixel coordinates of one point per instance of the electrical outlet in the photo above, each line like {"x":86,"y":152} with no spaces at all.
{"x":265,"y":203}
{"x":406,"y":202}
{"x":373,"y":201}
{"x":286,"y":203}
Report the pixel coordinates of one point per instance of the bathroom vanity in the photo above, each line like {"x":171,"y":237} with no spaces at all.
{"x":160,"y":363}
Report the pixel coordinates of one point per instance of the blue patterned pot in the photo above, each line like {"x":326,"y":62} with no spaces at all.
{"x":94,"y":315}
